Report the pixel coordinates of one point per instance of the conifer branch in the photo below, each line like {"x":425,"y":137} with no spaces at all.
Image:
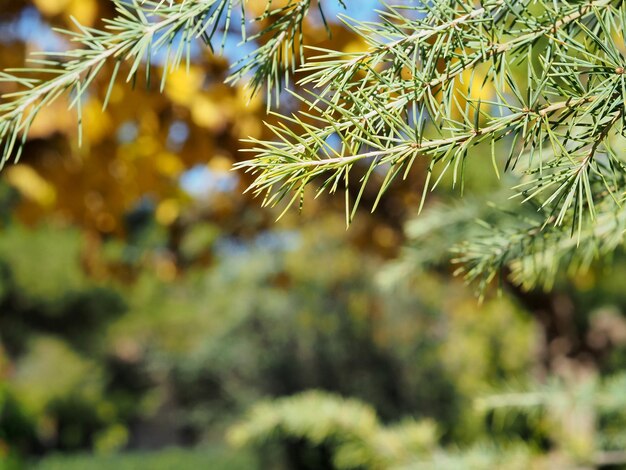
{"x":384,"y":107}
{"x":498,"y":241}
{"x":134,"y":36}
{"x":271,"y":63}
{"x":534,"y":255}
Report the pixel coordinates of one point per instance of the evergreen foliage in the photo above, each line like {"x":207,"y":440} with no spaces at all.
{"x":441,"y":78}
{"x":487,"y":240}
{"x":350,"y":429}
{"x":584,"y":422}
{"x":437,"y":83}
{"x":141,"y":32}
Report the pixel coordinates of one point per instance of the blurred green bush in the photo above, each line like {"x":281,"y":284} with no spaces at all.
{"x":103,"y":366}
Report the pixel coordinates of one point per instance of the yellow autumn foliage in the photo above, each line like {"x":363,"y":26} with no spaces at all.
{"x":167,"y":211}
{"x":85,"y":11}
{"x":31,"y":185}
{"x":183,"y":85}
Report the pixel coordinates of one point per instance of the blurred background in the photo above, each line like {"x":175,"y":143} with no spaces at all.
{"x":152,"y":315}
